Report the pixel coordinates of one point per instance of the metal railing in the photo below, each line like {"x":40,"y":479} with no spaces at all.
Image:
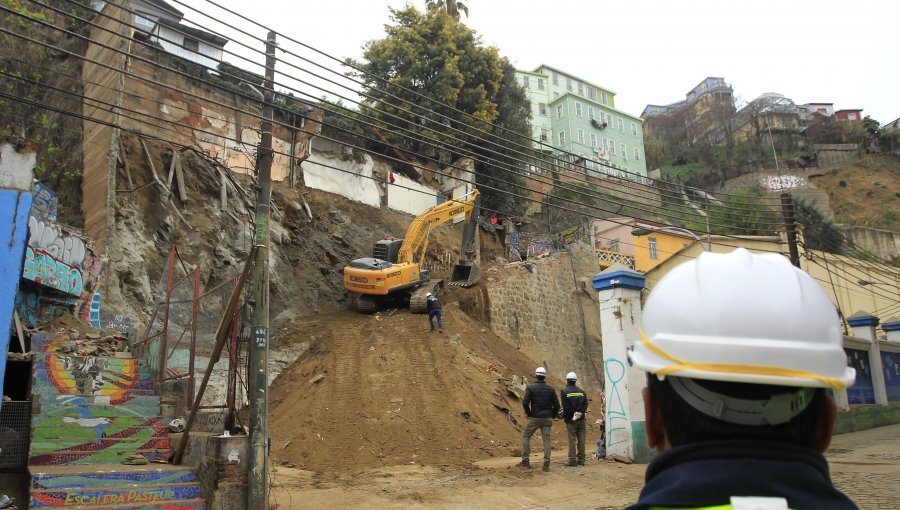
{"x":178,"y":340}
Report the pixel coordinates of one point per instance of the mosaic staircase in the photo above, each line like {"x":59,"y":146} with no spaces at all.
{"x":90,"y":413}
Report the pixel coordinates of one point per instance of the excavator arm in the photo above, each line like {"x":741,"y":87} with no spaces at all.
{"x":416,"y":240}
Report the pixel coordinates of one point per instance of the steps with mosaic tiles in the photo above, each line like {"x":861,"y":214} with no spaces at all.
{"x":89,"y":414}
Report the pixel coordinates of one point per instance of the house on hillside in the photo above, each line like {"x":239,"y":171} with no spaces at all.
{"x":156,"y":21}
{"x":638,"y":244}
{"x":809,"y":111}
{"x":770,"y":113}
{"x":704,"y":109}
{"x":849,"y":115}
{"x":577,"y":121}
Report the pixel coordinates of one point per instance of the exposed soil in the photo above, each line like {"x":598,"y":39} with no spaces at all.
{"x":866,"y":193}
{"x":380,"y":390}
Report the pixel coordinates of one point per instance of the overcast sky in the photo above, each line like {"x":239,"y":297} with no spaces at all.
{"x":654,"y":52}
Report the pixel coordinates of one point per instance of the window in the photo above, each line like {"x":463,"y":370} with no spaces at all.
{"x":580,"y":136}
{"x":562,"y":138}
{"x":555,"y":79}
{"x":591,"y":112}
{"x":613,"y":245}
{"x":191,"y":44}
{"x":603,"y":97}
{"x":580,"y":89}
{"x":593,"y":140}
{"x":540,"y":84}
{"x":525,"y":82}
{"x":545,"y":135}
{"x":637,"y":154}
{"x":634,"y":129}
{"x":555,"y":94}
{"x":624,"y":150}
{"x":542,"y":109}
{"x":612,"y":147}
{"x":559,"y":111}
{"x":578,"y":110}
{"x":592,"y":93}
{"x":621,"y":124}
{"x":569,"y":84}
{"x":851,"y":116}
{"x":651,"y":246}
{"x":143,"y":21}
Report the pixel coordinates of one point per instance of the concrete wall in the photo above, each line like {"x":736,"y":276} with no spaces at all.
{"x":407,"y":195}
{"x":104,"y":62}
{"x":540,"y":308}
{"x":883,"y":243}
{"x":351,"y":179}
{"x":832,"y":155}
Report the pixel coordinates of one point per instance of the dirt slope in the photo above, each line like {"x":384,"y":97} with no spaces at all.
{"x":375,"y":391}
{"x":865,"y":193}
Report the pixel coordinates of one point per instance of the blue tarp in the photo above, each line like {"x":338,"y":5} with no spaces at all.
{"x":15,"y":207}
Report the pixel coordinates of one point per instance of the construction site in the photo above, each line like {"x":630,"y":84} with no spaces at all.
{"x":238,"y":318}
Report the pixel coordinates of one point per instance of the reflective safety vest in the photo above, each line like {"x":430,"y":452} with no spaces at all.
{"x":738,"y":503}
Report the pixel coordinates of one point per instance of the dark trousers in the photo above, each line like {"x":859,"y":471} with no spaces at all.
{"x":533,"y":424}
{"x":431,"y":315}
{"x":576,"y":440}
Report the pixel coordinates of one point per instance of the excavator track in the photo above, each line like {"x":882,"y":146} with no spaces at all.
{"x":366,"y":304}
{"x":417,"y":300}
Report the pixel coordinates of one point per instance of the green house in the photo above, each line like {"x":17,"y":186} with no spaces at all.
{"x":576,"y":121}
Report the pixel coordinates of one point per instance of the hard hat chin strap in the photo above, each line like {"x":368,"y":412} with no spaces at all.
{"x":775,"y":410}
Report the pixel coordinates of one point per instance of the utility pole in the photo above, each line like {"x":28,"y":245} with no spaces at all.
{"x":258,"y":478}
{"x":790,"y":228}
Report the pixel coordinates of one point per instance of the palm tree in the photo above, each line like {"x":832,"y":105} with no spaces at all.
{"x":453,"y":7}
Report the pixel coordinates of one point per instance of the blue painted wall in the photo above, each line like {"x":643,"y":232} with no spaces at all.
{"x":15,"y":206}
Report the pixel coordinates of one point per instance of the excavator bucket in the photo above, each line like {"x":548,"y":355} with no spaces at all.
{"x":467,"y":271}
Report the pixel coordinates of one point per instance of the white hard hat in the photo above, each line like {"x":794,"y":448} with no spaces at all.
{"x":742,"y":317}
{"x":428,"y":294}
{"x":571,"y":376}
{"x":540,"y":371}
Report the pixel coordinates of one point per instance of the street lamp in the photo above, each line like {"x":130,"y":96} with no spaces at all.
{"x":642,"y":231}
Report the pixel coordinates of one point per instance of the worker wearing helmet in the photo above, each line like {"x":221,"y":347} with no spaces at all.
{"x":541,"y":404}
{"x":740,"y":350}
{"x":574,"y":408}
{"x":433,"y":305}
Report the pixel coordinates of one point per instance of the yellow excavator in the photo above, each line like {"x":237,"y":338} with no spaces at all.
{"x":395,"y":271}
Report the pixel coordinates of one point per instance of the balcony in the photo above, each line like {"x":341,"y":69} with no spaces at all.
{"x":606,"y":258}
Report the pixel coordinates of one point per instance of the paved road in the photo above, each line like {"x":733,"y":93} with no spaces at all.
{"x":866,"y":466}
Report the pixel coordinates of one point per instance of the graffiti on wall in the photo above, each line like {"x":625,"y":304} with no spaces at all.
{"x":41,"y":267}
{"x":783,"y":182}
{"x":617,"y":431}
{"x":50,"y":239}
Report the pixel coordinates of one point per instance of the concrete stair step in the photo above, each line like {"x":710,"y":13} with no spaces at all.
{"x":63,"y":422}
{"x":111,"y":475}
{"x":72,"y":360}
{"x":41,"y":371}
{"x":116,"y":443}
{"x":144,"y":493}
{"x":49,"y":401}
{"x":108,"y":455}
{"x":73,"y":431}
{"x":184,"y":504}
{"x":98,"y":411}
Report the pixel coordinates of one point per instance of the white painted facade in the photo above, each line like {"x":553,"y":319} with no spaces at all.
{"x":206,"y":55}
{"x":407,"y":195}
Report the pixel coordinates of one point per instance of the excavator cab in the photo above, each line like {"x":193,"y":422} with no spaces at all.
{"x":387,"y":249}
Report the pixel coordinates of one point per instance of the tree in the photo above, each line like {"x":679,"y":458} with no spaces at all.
{"x":453,"y":7}
{"x":436,"y":91}
{"x":818,"y":232}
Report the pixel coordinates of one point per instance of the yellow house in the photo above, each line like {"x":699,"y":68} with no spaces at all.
{"x":654,"y":244}
{"x":852,"y":284}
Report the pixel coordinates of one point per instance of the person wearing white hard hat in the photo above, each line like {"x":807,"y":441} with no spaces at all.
{"x":433,"y":305}
{"x":541,"y":404}
{"x":574,"y":408}
{"x":740,"y":350}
